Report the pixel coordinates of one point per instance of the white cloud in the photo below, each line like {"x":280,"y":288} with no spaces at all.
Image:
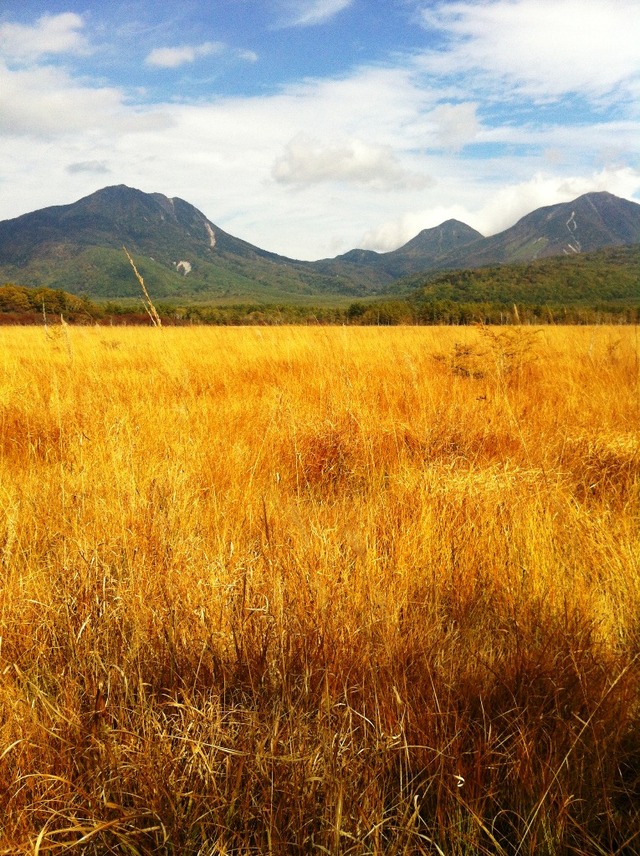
{"x":307,"y":161}
{"x":177,"y":56}
{"x":45,"y":101}
{"x":385,"y":104}
{"x":456,"y":125}
{"x":545,"y":47}
{"x":306,"y":13}
{"x":51,"y":34}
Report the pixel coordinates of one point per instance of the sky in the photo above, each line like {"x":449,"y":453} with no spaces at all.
{"x":311,"y":127}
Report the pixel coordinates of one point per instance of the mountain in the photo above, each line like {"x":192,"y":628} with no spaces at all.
{"x":420,"y":253}
{"x":181,"y":253}
{"x":79,"y":247}
{"x":589,"y":223}
{"x":149,"y":222}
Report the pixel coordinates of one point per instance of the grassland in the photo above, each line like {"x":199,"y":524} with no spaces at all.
{"x":320,"y":590}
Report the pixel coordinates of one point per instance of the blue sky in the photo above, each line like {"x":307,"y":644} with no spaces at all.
{"x":309,"y":127}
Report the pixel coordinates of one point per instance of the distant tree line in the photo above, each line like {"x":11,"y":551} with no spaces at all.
{"x":22,"y":305}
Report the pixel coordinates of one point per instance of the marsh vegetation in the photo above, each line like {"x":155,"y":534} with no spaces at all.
{"x":334,"y":590}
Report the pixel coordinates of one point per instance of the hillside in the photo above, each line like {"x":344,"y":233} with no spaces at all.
{"x":595,"y":287}
{"x":587,"y":224}
{"x":607,"y":276}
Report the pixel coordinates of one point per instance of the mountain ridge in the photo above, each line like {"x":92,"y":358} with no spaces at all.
{"x":588,"y":223}
{"x":431,"y":243}
{"x":78,"y":247}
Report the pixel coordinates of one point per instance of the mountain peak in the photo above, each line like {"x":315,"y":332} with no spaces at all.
{"x":450,"y":232}
{"x":116,"y":192}
{"x":441,"y":241}
{"x":150,"y":224}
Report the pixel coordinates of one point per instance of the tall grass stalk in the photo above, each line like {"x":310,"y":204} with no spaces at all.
{"x":148,"y":304}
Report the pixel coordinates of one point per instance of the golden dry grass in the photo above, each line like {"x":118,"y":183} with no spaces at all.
{"x":360,"y":591}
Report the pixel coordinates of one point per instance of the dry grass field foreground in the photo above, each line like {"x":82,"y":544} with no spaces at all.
{"x":320,"y":590}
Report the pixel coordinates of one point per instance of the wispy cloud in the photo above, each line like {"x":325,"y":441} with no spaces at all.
{"x":50,"y":35}
{"x":96,"y":167}
{"x":307,"y":13}
{"x":176,"y":56}
{"x":543,"y":48}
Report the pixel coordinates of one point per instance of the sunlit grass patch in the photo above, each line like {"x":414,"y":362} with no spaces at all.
{"x":287,"y":590}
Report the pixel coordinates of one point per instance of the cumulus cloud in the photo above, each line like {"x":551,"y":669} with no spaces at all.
{"x":306,"y":13}
{"x":542,"y":47}
{"x":177,"y":56}
{"x":47,"y":102}
{"x":51,"y":34}
{"x":307,"y":161}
